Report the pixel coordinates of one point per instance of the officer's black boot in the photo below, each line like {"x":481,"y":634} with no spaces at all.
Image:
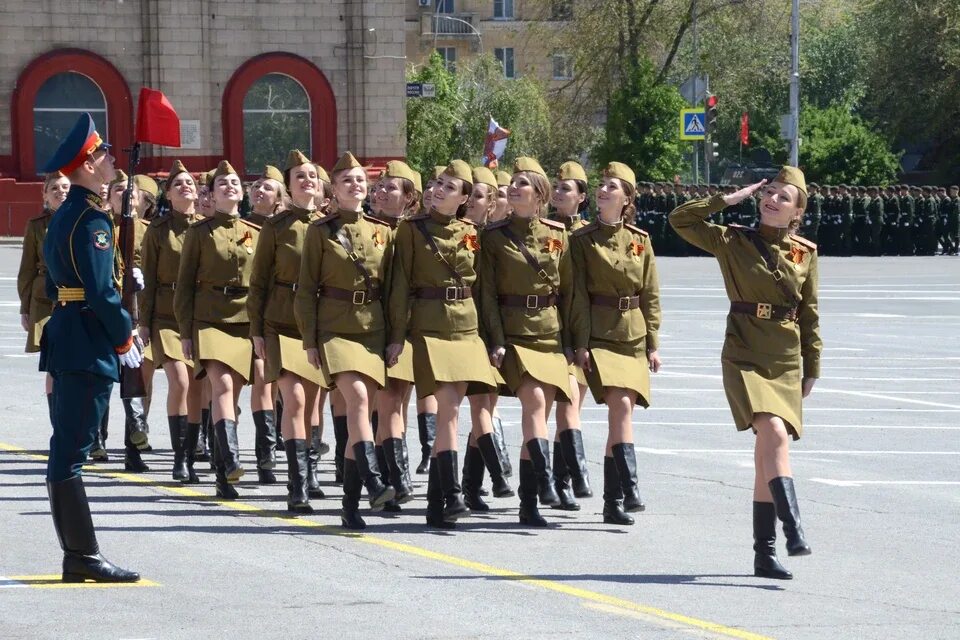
{"x":539,"y":450}
{"x":765,"y":562}
{"x":406,"y":461}
{"x":278,"y":415}
{"x":501,"y":442}
{"x":74,"y":526}
{"x":190,"y":451}
{"x":178,"y":431}
{"x":571,"y":443}
{"x":378,"y":493}
{"x":340,"y":436}
{"x":391,"y":506}
{"x":313,"y":464}
{"x":473,"y":478}
{"x":435,"y":499}
{"x":785,"y":499}
{"x":203,"y":448}
{"x":136,"y":423}
{"x":99,"y":451}
{"x":453,"y":504}
{"x":613,"y":512}
{"x":488,"y":449}
{"x":297,"y":499}
{"x":225,"y":490}
{"x":352,"y":487}
{"x":427,"y":426}
{"x":561,"y":481}
{"x":264,"y":443}
{"x":131,"y":454}
{"x":399,"y":473}
{"x":529,"y":513}
{"x":626,"y":460}
{"x":228,"y":449}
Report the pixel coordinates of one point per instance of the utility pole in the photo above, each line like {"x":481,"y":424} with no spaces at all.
{"x":707,"y":145}
{"x":696,"y":96}
{"x":795,"y":84}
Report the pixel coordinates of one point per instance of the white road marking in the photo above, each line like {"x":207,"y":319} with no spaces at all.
{"x":801,"y":452}
{"x":860,"y":483}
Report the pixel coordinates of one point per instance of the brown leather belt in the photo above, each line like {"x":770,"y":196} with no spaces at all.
{"x":624,"y":303}
{"x":286,"y":285}
{"x":529,"y":302}
{"x":349,"y":295}
{"x":449,"y":294}
{"x":229,"y":290}
{"x":764,"y":311}
{"x":167,"y":285}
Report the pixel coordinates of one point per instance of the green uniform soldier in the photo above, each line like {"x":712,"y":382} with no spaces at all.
{"x":874,"y":205}
{"x":953,"y":220}
{"x":810,"y":227}
{"x":925,"y":223}
{"x":944,"y":204}
{"x":830,"y":223}
{"x":891,"y":222}
{"x":845,"y":210}
{"x":907,"y":218}
{"x":861,"y":222}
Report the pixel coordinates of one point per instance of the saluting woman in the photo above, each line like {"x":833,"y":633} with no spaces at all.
{"x":339,"y":310}
{"x":161,"y":251}
{"x":614,"y":324}
{"x":210,"y":304}
{"x":276,"y":338}
{"x":432,"y":305}
{"x":525,"y":287}
{"x":35,"y":307}
{"x":771,"y":354}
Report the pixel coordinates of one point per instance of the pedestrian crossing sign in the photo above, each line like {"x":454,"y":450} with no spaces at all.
{"x":691,"y":124}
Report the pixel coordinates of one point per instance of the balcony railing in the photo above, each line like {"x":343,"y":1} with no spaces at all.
{"x":455,"y":25}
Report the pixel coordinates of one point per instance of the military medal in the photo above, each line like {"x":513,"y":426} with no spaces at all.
{"x":248,"y":242}
{"x":636,"y":249}
{"x":796,"y":256}
{"x":378,"y":239}
{"x":471,"y":243}
{"x":554,"y":246}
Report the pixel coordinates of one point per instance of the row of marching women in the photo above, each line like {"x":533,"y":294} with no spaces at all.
{"x":373,"y":296}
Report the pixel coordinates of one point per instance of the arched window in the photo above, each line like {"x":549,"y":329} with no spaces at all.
{"x":276,"y":119}
{"x":59,"y":102}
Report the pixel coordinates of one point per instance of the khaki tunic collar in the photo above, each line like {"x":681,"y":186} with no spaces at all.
{"x":441,"y":219}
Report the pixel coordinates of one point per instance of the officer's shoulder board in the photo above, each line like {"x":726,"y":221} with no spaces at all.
{"x":377,"y":220}
{"x":497,"y":225}
{"x":812,"y":246}
{"x":585,"y":229}
{"x":250,"y":224}
{"x":635,"y":229}
{"x":325,"y":219}
{"x":553,"y":224}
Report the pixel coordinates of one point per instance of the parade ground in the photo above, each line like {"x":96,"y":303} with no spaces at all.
{"x":878,"y":479}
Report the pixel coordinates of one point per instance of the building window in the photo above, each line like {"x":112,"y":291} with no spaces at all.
{"x":443,"y":6}
{"x":505,"y":57}
{"x":449,"y":55}
{"x":561,"y":9}
{"x":59,"y":102}
{"x":562,"y":66}
{"x":503,"y":9}
{"x":276,"y":118}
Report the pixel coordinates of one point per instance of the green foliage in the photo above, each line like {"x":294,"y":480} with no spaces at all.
{"x":642,"y":127}
{"x":837,"y":147}
{"x":431,"y":124}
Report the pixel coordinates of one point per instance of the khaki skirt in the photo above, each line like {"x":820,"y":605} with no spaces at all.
{"x":403,"y":370}
{"x":285,"y":352}
{"x":619,"y":365}
{"x":362,"y":353}
{"x":35,"y":329}
{"x":459,"y":358}
{"x":226,"y":343}
{"x":577,"y":373}
{"x":773,"y":386}
{"x":165,"y":342}
{"x":542,"y":360}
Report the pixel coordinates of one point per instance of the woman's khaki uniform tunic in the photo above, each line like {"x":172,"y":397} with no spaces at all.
{"x":160,"y":256}
{"x":526,"y":310}
{"x":273,"y":283}
{"x":764,"y":347}
{"x":403,"y":370}
{"x":436,"y":309}
{"x":32,"y":279}
{"x":211,"y":296}
{"x":616,"y":306}
{"x":336,"y":309}
{"x":571,"y":224}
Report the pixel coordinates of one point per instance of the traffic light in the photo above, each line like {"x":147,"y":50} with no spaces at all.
{"x":711,"y":103}
{"x":714,"y":154}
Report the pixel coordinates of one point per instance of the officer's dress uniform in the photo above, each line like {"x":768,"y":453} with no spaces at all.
{"x":32,"y":280}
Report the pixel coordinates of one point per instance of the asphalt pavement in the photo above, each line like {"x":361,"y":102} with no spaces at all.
{"x":877,"y":472}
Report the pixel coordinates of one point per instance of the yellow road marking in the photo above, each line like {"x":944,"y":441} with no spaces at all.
{"x":660,"y":616}
{"x":53,"y":581}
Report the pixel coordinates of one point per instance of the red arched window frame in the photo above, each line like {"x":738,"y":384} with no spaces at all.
{"x":323,"y":104}
{"x":102,"y":73}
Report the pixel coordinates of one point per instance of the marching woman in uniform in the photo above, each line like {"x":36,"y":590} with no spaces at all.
{"x":276,"y":338}
{"x":161,"y":250}
{"x":771,"y":354}
{"x":339,"y":310}
{"x":35,"y":307}
{"x":571,"y":479}
{"x":526,"y":292}
{"x":432,"y":305}
{"x":614,"y":324}
{"x":210,"y":305}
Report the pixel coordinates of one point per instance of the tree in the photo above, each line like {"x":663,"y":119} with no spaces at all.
{"x":431,"y":123}
{"x":837,"y":147}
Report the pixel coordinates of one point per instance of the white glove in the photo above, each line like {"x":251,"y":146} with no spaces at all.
{"x":138,"y":278}
{"x":132,"y":358}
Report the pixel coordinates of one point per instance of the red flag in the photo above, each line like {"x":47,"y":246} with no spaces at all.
{"x":157,"y":121}
{"x":745,"y":129}
{"x":494,"y":144}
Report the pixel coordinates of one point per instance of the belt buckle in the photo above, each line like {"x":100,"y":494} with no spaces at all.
{"x":359,"y":297}
{"x":764,"y":310}
{"x":623,"y":304}
{"x":533,"y":301}
{"x":295,"y":286}
{"x":452,"y":294}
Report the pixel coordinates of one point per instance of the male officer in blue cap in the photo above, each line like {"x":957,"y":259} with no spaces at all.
{"x":87,"y":338}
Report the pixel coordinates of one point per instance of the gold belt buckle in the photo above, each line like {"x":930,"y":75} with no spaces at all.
{"x":764,"y":310}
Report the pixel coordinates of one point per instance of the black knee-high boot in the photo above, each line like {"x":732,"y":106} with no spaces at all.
{"x":265,"y":440}
{"x":529,"y":487}
{"x":203,"y":442}
{"x":561,"y":481}
{"x":435,"y":500}
{"x":278,"y":415}
{"x":352,"y":487}
{"x":228,"y":449}
{"x":571,"y":443}
{"x":313,"y":464}
{"x":626,"y":459}
{"x":765,"y":562}
{"x":297,"y":499}
{"x":190,"y":451}
{"x":340,"y":436}
{"x":472,"y":478}
{"x":613,"y":512}
{"x":397,"y":466}
{"x":378,"y":494}
{"x":132,"y":461}
{"x":785,"y":500}
{"x":491,"y":459}
{"x":500,"y":440}
{"x":427,"y":427}
{"x":539,"y":450}
{"x":178,"y":432}
{"x":99,"y":451}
